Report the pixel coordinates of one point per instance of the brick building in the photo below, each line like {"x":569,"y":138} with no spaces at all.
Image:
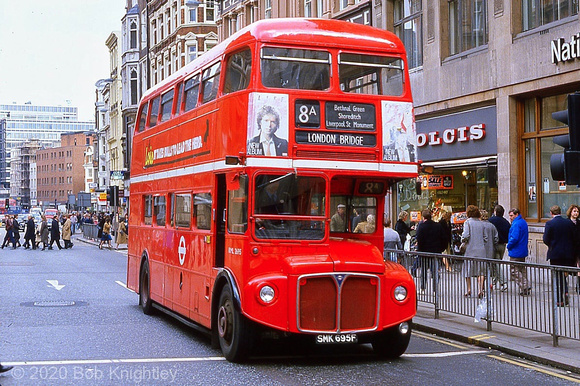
{"x":60,"y":170}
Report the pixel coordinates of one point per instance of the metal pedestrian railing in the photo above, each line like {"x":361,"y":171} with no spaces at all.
{"x":90,"y":231}
{"x":535,"y":297}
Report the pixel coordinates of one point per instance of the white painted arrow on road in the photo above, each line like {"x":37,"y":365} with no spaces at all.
{"x":54,"y":283}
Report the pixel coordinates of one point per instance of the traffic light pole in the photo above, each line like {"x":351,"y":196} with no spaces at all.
{"x":566,"y":166}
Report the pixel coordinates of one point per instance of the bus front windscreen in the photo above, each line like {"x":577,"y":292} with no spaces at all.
{"x":289,"y":207}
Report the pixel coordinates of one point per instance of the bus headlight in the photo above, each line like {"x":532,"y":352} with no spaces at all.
{"x":267,"y":294}
{"x":400,"y":293}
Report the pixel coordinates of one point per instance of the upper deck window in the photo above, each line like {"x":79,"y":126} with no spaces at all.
{"x":154,"y":112}
{"x":166,"y":105}
{"x":210,"y":81}
{"x":191,"y":92}
{"x":238,"y":71}
{"x":142,"y":118}
{"x":295,"y":69}
{"x":369,"y":74}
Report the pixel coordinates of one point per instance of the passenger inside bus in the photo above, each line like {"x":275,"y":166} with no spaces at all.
{"x":368,"y":226}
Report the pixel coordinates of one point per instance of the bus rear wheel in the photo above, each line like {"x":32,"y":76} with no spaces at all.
{"x":145,"y":291}
{"x":393,"y":342}
{"x":234,"y":330}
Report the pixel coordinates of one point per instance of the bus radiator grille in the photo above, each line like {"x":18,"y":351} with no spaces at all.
{"x":328,"y":304}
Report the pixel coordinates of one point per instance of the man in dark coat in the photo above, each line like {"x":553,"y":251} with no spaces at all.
{"x":30,"y":235}
{"x":55,"y":232}
{"x":430,"y":238}
{"x":559,"y":237}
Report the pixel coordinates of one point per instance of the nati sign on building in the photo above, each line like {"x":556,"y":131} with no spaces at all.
{"x":563,"y":51}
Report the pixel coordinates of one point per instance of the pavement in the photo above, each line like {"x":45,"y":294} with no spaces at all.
{"x":534,"y":346}
{"x":79,"y":237}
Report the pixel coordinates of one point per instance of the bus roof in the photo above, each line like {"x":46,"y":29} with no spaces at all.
{"x":327,"y":33}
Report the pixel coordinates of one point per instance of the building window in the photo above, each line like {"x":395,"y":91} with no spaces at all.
{"x":134,"y":87}
{"x":343,"y":4}
{"x":168,"y":18}
{"x":538,"y":132}
{"x":319,"y":8}
{"x":210,"y":10}
{"x":191,"y":52}
{"x":133,"y":35}
{"x":539,"y":12}
{"x":251,"y":14}
{"x":268,"y":9}
{"x":307,"y":8}
{"x":467,"y":25}
{"x":193,"y":15}
{"x":409,"y":28}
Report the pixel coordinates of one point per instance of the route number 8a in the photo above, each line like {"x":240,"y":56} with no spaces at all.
{"x":307,"y":113}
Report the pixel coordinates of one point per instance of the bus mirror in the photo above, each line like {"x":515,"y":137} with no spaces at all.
{"x":232,"y":160}
{"x":418,"y":187}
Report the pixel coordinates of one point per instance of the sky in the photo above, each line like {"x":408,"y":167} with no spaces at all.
{"x":53,"y":51}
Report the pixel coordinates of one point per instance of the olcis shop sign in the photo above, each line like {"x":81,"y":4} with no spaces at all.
{"x":465,"y":134}
{"x":449,"y":136}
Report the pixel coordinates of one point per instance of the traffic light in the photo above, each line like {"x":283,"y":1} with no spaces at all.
{"x":7,"y":203}
{"x":566,"y":166}
{"x":113,"y":195}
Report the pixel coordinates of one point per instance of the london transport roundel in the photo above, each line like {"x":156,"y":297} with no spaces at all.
{"x":181,"y":250}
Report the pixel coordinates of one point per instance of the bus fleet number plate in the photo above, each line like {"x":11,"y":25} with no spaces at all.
{"x":336,"y":338}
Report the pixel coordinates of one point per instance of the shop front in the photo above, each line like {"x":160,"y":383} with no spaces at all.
{"x":459,"y":151}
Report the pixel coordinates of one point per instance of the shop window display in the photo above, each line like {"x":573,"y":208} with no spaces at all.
{"x":541,"y":191}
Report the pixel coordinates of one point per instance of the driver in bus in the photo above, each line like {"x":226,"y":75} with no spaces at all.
{"x":267,"y":143}
{"x":269,"y":202}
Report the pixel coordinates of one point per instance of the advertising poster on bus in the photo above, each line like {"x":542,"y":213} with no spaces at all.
{"x":268,"y":125}
{"x":399,"y":132}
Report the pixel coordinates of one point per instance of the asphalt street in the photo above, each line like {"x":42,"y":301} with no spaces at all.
{"x":66,"y":318}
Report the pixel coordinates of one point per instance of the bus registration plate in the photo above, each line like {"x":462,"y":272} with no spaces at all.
{"x":336,"y":338}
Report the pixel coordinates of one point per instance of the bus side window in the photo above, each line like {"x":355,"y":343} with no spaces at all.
{"x":154,"y":112}
{"x":143,"y":117}
{"x":178,"y":102}
{"x":238,"y":207}
{"x":159,"y":210}
{"x":238,"y":71}
{"x":202,"y":203}
{"x":166,"y":105}
{"x":210,"y":83}
{"x":191,"y":89}
{"x":181,"y":210}
{"x":147,"y":209}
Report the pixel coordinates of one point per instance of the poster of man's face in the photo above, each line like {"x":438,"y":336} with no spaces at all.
{"x":267,"y":125}
{"x":399,"y":132}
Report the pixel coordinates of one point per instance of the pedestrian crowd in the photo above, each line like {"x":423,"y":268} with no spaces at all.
{"x":488,"y":237}
{"x":46,"y":233}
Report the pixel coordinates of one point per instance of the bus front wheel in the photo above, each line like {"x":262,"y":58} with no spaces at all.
{"x":393,"y":342}
{"x":144,"y":290}
{"x":234,"y":330}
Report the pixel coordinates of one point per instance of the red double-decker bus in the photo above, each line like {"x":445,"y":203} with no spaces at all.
{"x":258,"y":185}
